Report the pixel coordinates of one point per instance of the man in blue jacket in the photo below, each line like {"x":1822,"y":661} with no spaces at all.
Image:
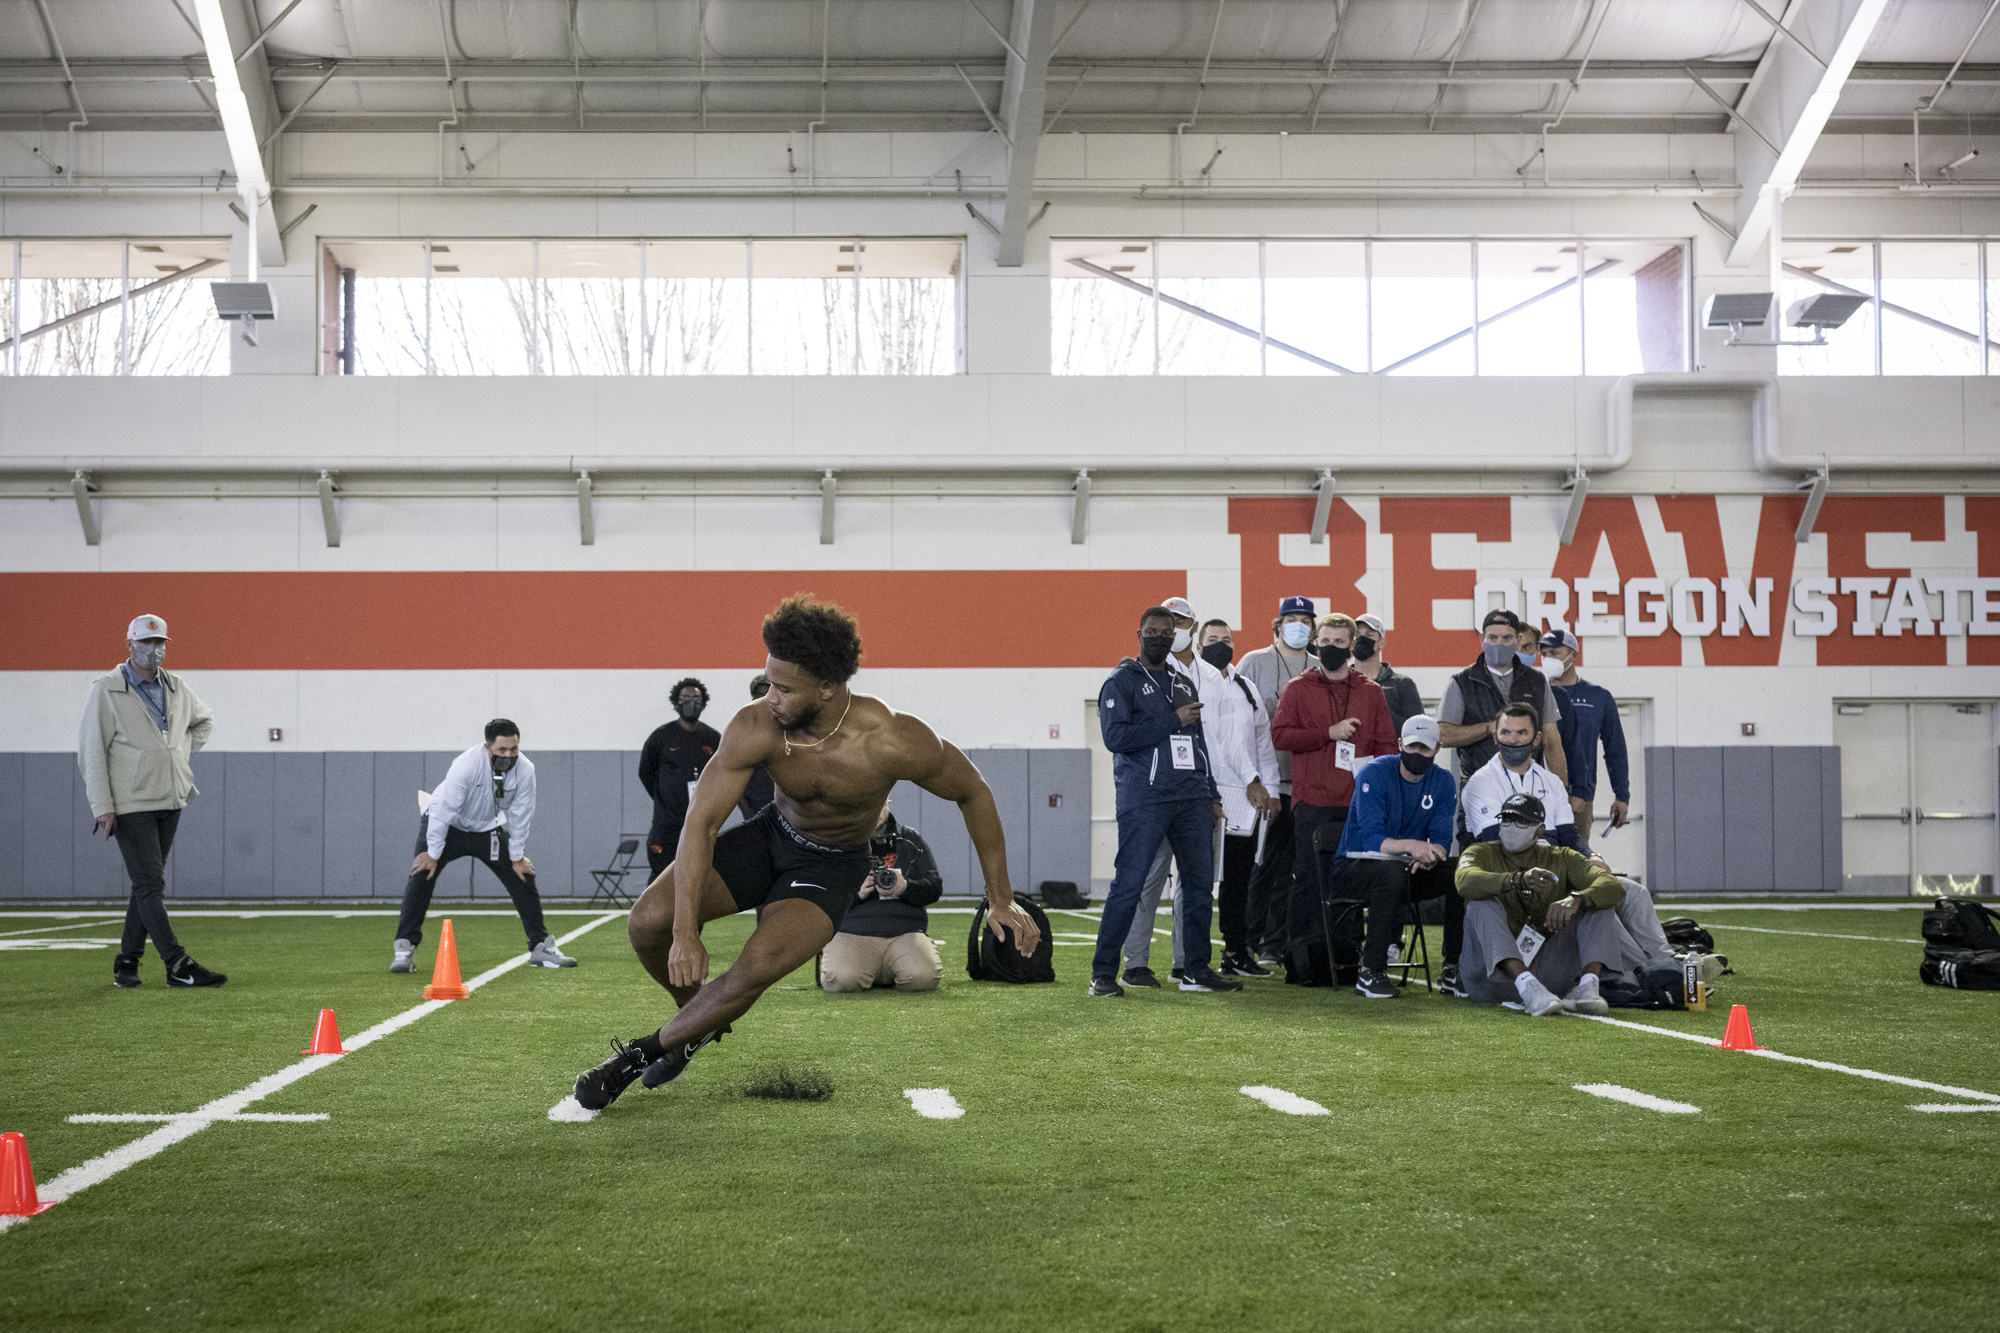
{"x":1589,"y":718}
{"x":1151,"y":720}
{"x":1398,"y":826}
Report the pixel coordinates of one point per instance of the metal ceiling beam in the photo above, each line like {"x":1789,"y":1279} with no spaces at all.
{"x":1024,"y":97}
{"x":248,"y":105}
{"x":1788,"y":104}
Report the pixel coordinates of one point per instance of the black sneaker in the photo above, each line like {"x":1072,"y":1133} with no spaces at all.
{"x":1270,"y":958}
{"x":125,"y":971}
{"x":1208,"y":979}
{"x":185,"y":971}
{"x":1372,"y":985}
{"x":1103,"y":986}
{"x":1142,"y":978}
{"x":1449,"y":984}
{"x":598,"y":1088}
{"x":1232,"y":966}
{"x":675,"y":1062}
{"x":1175,"y":974}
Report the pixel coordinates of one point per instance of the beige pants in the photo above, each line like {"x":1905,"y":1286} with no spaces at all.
{"x":859,"y":962}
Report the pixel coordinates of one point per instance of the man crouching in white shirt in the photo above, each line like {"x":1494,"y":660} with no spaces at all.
{"x":482,"y":809}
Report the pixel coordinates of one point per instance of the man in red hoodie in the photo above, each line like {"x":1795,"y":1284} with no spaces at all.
{"x":1332,"y":719}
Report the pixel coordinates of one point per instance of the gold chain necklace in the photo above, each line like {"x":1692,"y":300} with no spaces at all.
{"x":813,"y":745}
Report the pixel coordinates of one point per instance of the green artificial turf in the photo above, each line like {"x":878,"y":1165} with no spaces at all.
{"x":1108,"y":1174}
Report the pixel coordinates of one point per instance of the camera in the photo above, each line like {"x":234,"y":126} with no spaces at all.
{"x":885,"y":879}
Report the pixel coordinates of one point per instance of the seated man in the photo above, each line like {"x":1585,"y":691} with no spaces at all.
{"x":884,"y":939}
{"x":1539,"y":919}
{"x":1398,"y":826}
{"x":1511,"y":771}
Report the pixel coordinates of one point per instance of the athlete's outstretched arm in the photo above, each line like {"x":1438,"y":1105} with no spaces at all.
{"x":955,"y":779}
{"x":723,"y":779}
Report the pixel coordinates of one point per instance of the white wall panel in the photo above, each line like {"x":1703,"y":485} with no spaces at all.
{"x":403,"y":534}
{"x":142,"y":536}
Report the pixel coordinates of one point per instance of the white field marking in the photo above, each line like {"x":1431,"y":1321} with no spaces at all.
{"x":136,"y":1118}
{"x":74,"y":925}
{"x":263,"y":1117}
{"x":1820,"y":935}
{"x":101,"y":1168}
{"x":569,"y":1109}
{"x":1280,"y":1100}
{"x":1801,"y":1060}
{"x":934,"y":1103}
{"x":1612,"y":1092}
{"x":1954,"y":1106}
{"x":83,"y":943}
{"x":1797,"y":907}
{"x":242,"y":915}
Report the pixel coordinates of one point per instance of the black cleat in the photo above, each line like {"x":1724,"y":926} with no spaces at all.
{"x":1141,"y":977}
{"x":675,"y":1062}
{"x":1101,"y":987}
{"x":185,"y":971}
{"x":1233,"y":966}
{"x":1209,"y":980}
{"x":125,"y":971}
{"x":598,"y":1088}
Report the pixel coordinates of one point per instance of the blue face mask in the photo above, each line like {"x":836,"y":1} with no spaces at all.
{"x":1525,"y":659}
{"x":1295,"y":633}
{"x":1499,"y":656}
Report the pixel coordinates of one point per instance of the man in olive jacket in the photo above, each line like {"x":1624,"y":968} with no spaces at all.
{"x":140,"y":727}
{"x":1540,"y":920}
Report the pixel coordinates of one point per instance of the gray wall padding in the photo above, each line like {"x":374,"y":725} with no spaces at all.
{"x":344,"y":824}
{"x":1743,"y":818}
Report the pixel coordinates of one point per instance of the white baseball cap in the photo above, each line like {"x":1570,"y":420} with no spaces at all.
{"x":1420,"y":730}
{"x":1372,"y":622}
{"x":1179,"y":606}
{"x":146,"y":627}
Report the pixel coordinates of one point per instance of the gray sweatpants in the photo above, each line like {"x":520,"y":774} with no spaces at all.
{"x":1642,"y":922}
{"x":1593,"y":937}
{"x":1139,"y":943}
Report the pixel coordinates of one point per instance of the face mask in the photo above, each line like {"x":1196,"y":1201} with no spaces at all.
{"x":689,"y":707}
{"x":1415,"y":764}
{"x":149,"y":654}
{"x":1182,"y":638}
{"x":1333,"y":657}
{"x":1525,"y":659}
{"x":1295,"y":633}
{"x":1514,"y":755}
{"x":1153,"y":648}
{"x":1364,"y":648}
{"x":1552,"y":668}
{"x":1217,"y":655}
{"x":1499,"y":656}
{"x":502,"y":765}
{"x":1517,"y":837}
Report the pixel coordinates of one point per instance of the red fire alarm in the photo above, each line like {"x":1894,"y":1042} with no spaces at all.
{"x":1749,"y":728}
{"x":1055,"y":802}
{"x":277,"y":733}
{"x":1055,"y":731}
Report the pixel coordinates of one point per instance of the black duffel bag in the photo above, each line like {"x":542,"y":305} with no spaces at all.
{"x":988,"y":958}
{"x":1961,"y":946}
{"x":1960,"y":969}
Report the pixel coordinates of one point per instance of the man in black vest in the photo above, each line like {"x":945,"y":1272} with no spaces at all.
{"x":1502,"y":675}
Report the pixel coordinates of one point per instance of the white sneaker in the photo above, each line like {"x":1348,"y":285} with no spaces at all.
{"x":1585,"y":998}
{"x":546,"y":954}
{"x":1536,"y":998}
{"x":405,"y":951}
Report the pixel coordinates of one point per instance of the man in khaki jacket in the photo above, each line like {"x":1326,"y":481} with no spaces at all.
{"x":139,"y":728}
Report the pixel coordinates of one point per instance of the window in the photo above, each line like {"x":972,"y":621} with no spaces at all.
{"x":113,"y":307}
{"x":853,"y":306}
{"x":1330,"y":307}
{"x":1931,"y":307}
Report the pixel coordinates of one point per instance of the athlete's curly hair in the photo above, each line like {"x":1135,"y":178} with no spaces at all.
{"x":817,"y":637}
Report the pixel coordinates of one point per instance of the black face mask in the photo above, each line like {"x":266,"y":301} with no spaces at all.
{"x":1514,"y":754}
{"x":1153,"y":648}
{"x":1364,"y":648}
{"x":1416,"y":765}
{"x":503,"y":765}
{"x":689,"y":707}
{"x":1333,"y":657}
{"x":1217,"y":655}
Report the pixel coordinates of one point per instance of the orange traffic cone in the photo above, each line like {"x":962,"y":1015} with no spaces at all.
{"x":17,"y":1179}
{"x":445,"y":984}
{"x":1737,"y":1036}
{"x":326,"y":1036}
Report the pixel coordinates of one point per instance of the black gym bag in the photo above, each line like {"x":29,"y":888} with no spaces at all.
{"x":1961,"y":946}
{"x":1648,"y":988}
{"x":1684,"y":933}
{"x":990,"y":959}
{"x":1063,"y":894}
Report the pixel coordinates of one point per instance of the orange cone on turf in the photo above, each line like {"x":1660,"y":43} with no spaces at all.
{"x":1737,"y":1036}
{"x":326,"y":1036}
{"x":17,"y":1179}
{"x":445,"y":984}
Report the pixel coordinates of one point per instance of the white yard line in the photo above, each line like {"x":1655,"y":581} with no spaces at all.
{"x":1612,"y":1092}
{"x":1280,"y":1100}
{"x":1678,"y":908}
{"x":1827,"y":1065}
{"x":1953,"y":1106}
{"x":102,"y":1168}
{"x":140,"y":1118}
{"x":1818,"y":935}
{"x":934,"y":1103}
{"x":251,"y":914}
{"x":74,"y":925}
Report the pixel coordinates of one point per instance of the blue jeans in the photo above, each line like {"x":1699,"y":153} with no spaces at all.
{"x":1189,"y":828}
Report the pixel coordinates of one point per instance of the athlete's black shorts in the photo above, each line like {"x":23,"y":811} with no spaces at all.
{"x":765,"y":860}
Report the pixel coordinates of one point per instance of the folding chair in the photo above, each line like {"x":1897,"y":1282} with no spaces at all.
{"x":611,"y":879}
{"x":1329,"y":918}
{"x":1416,"y":944}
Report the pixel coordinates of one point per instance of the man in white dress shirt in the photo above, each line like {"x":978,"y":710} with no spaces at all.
{"x":482,"y":809}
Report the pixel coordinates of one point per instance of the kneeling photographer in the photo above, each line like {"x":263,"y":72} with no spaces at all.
{"x":884,"y":939}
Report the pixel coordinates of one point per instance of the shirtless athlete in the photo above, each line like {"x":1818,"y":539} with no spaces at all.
{"x":833,"y":756}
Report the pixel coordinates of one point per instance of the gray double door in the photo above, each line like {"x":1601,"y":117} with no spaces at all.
{"x":1918,"y":787}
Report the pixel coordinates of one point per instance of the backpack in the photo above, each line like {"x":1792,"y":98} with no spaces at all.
{"x":1061,"y":893}
{"x":1961,"y":946}
{"x":1684,"y":932}
{"x":1647,"y":988}
{"x":990,"y":959}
